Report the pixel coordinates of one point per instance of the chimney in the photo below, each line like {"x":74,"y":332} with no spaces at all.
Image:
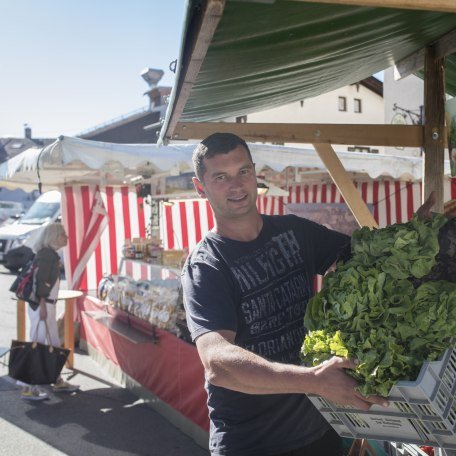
{"x":152,"y":76}
{"x":27,"y":131}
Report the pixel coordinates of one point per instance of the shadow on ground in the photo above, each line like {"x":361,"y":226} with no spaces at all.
{"x":95,"y":422}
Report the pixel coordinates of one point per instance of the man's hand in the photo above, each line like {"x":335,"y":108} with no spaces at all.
{"x":450,"y":208}
{"x":339,"y":387}
{"x":424,"y":211}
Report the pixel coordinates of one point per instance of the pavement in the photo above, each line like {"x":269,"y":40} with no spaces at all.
{"x":101,"y":418}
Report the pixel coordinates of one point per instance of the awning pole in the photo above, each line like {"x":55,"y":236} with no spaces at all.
{"x":345,"y":185}
{"x":434,"y":127}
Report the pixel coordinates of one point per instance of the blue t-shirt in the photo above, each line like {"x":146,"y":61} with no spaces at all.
{"x":259,"y":289}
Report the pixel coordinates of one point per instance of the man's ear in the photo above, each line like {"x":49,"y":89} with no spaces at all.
{"x":199,"y":187}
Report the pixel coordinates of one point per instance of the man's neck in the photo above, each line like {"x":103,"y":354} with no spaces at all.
{"x":244,"y":230}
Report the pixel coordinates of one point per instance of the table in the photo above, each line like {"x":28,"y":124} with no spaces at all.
{"x":164,"y":367}
{"x":69,"y":297}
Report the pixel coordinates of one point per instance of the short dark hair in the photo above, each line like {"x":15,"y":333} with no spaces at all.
{"x":217,"y":143}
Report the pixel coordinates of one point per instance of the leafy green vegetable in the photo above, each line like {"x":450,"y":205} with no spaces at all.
{"x":371,"y":308}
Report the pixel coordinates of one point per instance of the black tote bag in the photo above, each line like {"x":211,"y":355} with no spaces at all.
{"x":35,"y":363}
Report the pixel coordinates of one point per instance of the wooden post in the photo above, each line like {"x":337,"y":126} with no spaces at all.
{"x":68,"y":325}
{"x":69,"y":296}
{"x":345,"y":185}
{"x":434,"y":126}
{"x":20,"y":320}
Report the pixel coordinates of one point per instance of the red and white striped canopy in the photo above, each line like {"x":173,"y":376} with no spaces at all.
{"x":185,"y":222}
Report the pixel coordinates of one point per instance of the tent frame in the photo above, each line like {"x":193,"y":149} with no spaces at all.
{"x":444,"y":6}
{"x":431,"y":136}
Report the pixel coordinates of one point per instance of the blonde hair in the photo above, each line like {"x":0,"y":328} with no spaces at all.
{"x":49,"y":236}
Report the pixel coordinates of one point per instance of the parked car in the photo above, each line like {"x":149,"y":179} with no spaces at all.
{"x":9,"y":209}
{"x":46,"y":209}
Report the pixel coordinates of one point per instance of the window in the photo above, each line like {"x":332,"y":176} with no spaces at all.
{"x":342,"y":104}
{"x":358,"y":105}
{"x":362,"y":149}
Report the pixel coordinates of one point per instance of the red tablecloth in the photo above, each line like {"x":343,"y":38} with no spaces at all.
{"x":170,"y":369}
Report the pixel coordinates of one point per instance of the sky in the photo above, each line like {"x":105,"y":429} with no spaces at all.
{"x":70,"y":65}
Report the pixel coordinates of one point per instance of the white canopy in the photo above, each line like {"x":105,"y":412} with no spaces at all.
{"x":73,"y":160}
{"x":76,"y":161}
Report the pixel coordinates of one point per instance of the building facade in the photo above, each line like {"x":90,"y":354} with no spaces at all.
{"x":360,"y":103}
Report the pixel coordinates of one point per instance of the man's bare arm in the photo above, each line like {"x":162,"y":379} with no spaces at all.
{"x":425,"y":210}
{"x":235,"y":368}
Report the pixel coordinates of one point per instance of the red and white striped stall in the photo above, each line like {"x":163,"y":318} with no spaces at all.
{"x":127,"y":217}
{"x":99,"y":217}
{"x":184,"y":222}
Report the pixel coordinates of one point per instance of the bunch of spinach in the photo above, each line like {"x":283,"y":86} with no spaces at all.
{"x":371,"y":308}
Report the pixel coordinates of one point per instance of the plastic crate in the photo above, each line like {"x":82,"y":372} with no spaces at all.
{"x":408,"y":449}
{"x":422,"y":412}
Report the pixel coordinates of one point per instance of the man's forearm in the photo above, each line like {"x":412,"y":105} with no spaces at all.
{"x":230,"y":366}
{"x":240,"y":370}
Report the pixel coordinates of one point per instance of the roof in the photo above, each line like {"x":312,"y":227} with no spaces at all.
{"x":373,"y":84}
{"x":9,"y":147}
{"x":132,"y":128}
{"x":241,"y":56}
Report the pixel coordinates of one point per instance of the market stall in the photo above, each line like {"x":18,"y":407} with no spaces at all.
{"x":353,"y":40}
{"x":100,"y":205}
{"x":131,"y":315}
{"x":242,"y":56}
{"x":390,"y":201}
{"x":99,"y":190}
{"x":102,"y":212}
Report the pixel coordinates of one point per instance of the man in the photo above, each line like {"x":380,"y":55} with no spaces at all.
{"x":246,"y":287}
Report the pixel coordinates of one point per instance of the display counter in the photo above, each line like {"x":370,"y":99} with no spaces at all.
{"x":151,"y":292}
{"x":155,"y":362}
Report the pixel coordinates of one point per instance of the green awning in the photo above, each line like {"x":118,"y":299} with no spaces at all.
{"x":269,"y":53}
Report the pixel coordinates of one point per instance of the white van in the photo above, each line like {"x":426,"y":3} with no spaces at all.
{"x":46,"y":209}
{"x":10,"y":209}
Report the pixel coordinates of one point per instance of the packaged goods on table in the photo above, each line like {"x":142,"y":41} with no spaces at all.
{"x":155,"y":301}
{"x":145,"y":249}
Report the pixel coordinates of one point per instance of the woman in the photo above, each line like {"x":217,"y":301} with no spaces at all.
{"x":47,"y":280}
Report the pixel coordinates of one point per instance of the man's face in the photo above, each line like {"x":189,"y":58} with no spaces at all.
{"x":229,"y":183}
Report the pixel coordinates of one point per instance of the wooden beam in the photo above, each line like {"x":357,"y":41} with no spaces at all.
{"x":20,"y":320}
{"x":444,"y":47}
{"x":345,"y":185}
{"x":434,"y":126}
{"x":208,"y":24}
{"x":445,"y":6}
{"x":68,"y":326}
{"x":409,"y":65}
{"x":350,"y":134}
